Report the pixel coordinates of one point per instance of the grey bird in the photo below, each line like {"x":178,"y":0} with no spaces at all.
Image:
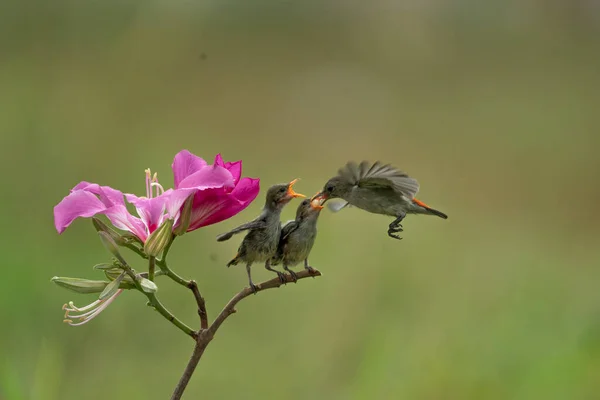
{"x":298,"y":237}
{"x":377,"y":188}
{"x":260,"y":243}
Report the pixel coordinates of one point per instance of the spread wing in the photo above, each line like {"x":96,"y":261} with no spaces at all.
{"x":379,"y":176}
{"x":256,"y":224}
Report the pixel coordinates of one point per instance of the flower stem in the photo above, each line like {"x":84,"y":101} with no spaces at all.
{"x":167,"y":248}
{"x":151,"y":268}
{"x":158,"y":306}
{"x":171,"y":274}
{"x":191,"y":284}
{"x":154,"y":302}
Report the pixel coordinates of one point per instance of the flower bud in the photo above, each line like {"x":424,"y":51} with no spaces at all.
{"x":102,"y":227}
{"x":80,"y":285}
{"x":112,"y":287}
{"x":159,"y":239}
{"x":111,"y":246}
{"x":148,"y":286}
{"x":185,"y":216}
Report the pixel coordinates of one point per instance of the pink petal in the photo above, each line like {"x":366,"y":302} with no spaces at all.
{"x":176,"y":199}
{"x":215,"y":205}
{"x":122,"y":219}
{"x":108,"y":195}
{"x":78,"y":203}
{"x":150,"y":210}
{"x":207,"y":178}
{"x":185,"y":164}
{"x":247,"y":190}
{"x":235,"y":168}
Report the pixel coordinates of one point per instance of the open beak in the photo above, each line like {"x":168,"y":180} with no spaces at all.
{"x":291,"y":192}
{"x":316,"y":202}
{"x":321,"y":197}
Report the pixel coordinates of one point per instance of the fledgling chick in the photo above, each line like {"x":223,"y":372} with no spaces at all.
{"x":298,"y":237}
{"x":379,"y":189}
{"x":260,"y":243}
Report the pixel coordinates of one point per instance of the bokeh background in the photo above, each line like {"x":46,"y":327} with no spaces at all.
{"x":493,"y":106}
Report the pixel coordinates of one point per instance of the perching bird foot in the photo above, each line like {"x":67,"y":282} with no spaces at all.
{"x":293,"y":275}
{"x":282,"y":277}
{"x":311,"y":270}
{"x":254,"y":288}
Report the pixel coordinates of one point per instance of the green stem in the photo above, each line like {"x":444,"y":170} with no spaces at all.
{"x":154,"y":302}
{"x":136,"y":250}
{"x":171,"y":274}
{"x":166,"y":250}
{"x":151,"y":268}
{"x":167,"y":314}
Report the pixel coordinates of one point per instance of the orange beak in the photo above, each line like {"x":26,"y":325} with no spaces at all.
{"x":316,"y":202}
{"x":321,"y":196}
{"x":291,"y":192}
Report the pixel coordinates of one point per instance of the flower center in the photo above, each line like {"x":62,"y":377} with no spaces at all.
{"x":153,"y":188}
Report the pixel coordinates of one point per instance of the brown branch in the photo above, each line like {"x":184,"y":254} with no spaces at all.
{"x":273,"y":283}
{"x":201,"y":304}
{"x":206,"y":335}
{"x":199,"y":348}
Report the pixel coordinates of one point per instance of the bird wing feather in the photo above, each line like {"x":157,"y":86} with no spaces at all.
{"x":288,"y":228}
{"x":379,"y":176}
{"x":256,"y":224}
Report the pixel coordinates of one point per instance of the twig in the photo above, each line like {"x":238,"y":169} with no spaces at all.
{"x":158,"y":306}
{"x":191,"y":367}
{"x":191,"y":284}
{"x":205,"y":336}
{"x":201,"y":304}
{"x":154,"y":302}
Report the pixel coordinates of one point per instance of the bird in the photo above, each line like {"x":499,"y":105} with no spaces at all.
{"x":261,"y":241}
{"x":298,"y":237}
{"x":377,"y":188}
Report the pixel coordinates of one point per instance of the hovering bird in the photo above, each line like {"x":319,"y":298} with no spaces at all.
{"x":377,"y":188}
{"x":298,"y":237}
{"x":260,"y":243}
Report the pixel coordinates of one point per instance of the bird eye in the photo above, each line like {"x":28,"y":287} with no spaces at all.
{"x":305,"y":203}
{"x":282,"y":190}
{"x":329,"y":188}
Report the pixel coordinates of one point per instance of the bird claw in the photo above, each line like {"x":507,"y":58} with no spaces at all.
{"x":311,"y":270}
{"x":293,"y":275}
{"x":391,"y":234}
{"x":282,"y":277}
{"x":395,"y":228}
{"x":253,"y":287}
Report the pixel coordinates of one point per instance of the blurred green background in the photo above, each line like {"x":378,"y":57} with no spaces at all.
{"x":493,"y":106}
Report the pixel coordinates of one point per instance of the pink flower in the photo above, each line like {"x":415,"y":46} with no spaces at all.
{"x":217,"y":203}
{"x":218,"y":192}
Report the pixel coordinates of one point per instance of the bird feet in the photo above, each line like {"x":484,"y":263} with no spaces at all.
{"x":310,"y":270}
{"x":282,"y":277}
{"x":391,"y":233}
{"x":254,"y":288}
{"x":395,"y":227}
{"x":293,"y":275}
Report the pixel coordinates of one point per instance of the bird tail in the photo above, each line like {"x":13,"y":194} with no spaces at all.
{"x":235,"y":260}
{"x":429,"y":209}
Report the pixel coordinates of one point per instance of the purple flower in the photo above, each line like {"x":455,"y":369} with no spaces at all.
{"x":218,"y":192}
